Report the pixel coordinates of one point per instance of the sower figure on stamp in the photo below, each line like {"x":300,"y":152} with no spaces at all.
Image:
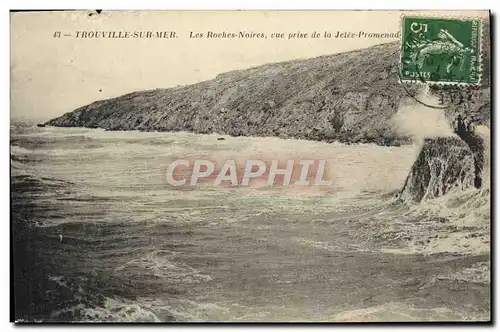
{"x":445,"y":43}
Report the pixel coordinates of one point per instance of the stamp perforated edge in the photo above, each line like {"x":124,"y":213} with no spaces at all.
{"x":484,"y":23}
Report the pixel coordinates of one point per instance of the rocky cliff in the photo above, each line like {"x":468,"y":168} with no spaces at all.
{"x":444,"y":163}
{"x":347,"y":97}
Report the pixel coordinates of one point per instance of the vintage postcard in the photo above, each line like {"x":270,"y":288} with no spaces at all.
{"x":250,"y":166}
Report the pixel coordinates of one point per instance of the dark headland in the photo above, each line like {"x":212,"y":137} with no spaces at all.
{"x":348,"y":97}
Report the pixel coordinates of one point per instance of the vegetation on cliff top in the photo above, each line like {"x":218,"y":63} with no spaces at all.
{"x":348,"y":97}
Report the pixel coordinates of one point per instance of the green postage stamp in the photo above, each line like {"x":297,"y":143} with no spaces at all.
{"x":441,"y":50}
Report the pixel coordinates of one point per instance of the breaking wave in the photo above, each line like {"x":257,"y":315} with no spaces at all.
{"x":104,"y":239}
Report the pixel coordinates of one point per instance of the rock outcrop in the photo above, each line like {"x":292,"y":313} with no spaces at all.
{"x":348,"y":97}
{"x":444,"y":163}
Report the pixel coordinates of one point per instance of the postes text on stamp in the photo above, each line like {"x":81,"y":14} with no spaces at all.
{"x":441,"y":51}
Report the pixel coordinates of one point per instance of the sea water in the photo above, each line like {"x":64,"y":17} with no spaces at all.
{"x":100,"y":236}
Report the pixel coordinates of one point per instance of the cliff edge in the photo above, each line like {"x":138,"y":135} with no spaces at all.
{"x":348,"y":97}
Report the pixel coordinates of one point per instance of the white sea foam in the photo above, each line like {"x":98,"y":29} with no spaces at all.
{"x":160,"y":263}
{"x":421,"y":121}
{"x":125,"y":187}
{"x":113,"y":310}
{"x":401,"y":312}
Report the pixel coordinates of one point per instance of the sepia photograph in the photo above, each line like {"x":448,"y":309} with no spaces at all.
{"x":190,"y":166}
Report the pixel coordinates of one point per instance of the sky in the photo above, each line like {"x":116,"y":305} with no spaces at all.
{"x":51,"y":76}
